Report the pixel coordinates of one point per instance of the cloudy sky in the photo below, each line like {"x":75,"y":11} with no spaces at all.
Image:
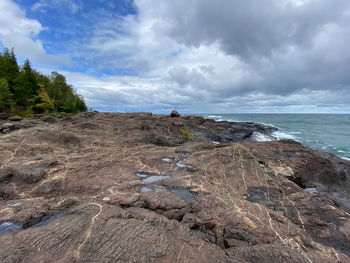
{"x":192,"y":55}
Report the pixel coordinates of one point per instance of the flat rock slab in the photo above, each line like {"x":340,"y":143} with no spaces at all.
{"x":104,"y":187}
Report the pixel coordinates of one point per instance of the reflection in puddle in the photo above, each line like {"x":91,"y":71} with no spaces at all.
{"x":180,"y":164}
{"x":9,"y":226}
{"x":185,"y":195}
{"x":13,"y":204}
{"x":151,"y":178}
{"x":49,"y":219}
{"x":155,"y":178}
{"x":142,"y":175}
{"x":146,"y":189}
{"x":311,"y":190}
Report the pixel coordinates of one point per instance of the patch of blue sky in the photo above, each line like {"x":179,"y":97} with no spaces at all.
{"x":104,"y":72}
{"x":176,"y":52}
{"x":67,"y":29}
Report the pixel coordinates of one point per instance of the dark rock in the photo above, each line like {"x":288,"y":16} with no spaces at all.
{"x":8,"y":125}
{"x":49,"y":119}
{"x":15,"y":118}
{"x":161,"y":141}
{"x":4,"y":115}
{"x":174,"y":114}
{"x":22,"y":174}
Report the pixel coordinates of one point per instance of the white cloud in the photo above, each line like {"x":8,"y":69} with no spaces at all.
{"x":23,"y":34}
{"x":219,"y":56}
{"x":71,"y":5}
{"x":205,"y":55}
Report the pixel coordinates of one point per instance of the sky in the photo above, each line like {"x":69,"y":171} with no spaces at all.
{"x":196,"y":56}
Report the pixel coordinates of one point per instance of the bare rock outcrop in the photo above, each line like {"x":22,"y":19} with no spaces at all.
{"x":104,"y":187}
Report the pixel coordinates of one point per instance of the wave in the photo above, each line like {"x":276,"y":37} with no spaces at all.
{"x":259,"y":137}
{"x":214,"y":116}
{"x":280,"y":134}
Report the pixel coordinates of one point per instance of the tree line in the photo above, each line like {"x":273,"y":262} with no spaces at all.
{"x":25,"y":91}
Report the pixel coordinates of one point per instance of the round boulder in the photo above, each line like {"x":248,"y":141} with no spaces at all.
{"x":174,"y":114}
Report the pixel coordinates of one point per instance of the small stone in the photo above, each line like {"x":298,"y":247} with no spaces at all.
{"x":174,"y":114}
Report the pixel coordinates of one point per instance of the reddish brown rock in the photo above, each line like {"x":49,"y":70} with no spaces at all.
{"x":101,"y":187}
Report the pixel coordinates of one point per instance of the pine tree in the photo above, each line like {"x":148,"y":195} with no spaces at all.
{"x":26,"y":86}
{"x":9,"y":68}
{"x":5,"y":94}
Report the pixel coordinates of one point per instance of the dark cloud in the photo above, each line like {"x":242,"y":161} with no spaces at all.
{"x":290,"y":45}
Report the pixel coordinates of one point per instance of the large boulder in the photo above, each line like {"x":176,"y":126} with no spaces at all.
{"x":174,"y":114}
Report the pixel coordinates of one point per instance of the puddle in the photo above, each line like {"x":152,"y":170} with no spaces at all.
{"x":48,"y":219}
{"x":151,"y":178}
{"x":13,"y":204}
{"x":180,"y":164}
{"x":155,"y":178}
{"x":185,"y":195}
{"x":9,"y":226}
{"x":311,"y":190}
{"x":142,"y":175}
{"x":146,"y":189}
{"x":167,"y":160}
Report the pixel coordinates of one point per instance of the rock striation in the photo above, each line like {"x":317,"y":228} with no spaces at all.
{"x":107,"y":187}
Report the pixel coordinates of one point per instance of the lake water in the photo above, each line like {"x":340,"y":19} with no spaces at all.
{"x":326,"y":132}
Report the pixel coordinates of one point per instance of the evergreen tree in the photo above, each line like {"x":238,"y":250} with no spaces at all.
{"x":26,"y":86}
{"x":34,"y":90}
{"x":80,"y":104}
{"x":5,"y":94}
{"x":9,"y":68}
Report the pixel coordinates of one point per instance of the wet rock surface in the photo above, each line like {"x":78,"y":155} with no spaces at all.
{"x":100,"y":187}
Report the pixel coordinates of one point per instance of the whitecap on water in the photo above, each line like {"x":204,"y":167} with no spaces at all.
{"x":283,"y":135}
{"x":259,"y":137}
{"x":215,"y":116}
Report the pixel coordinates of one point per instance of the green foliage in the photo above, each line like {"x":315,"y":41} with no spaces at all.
{"x":33,"y":91}
{"x":185,"y":133}
{"x":9,"y":68}
{"x":5,"y":94}
{"x":26,"y":84}
{"x":27,"y":113}
{"x":46,"y":103}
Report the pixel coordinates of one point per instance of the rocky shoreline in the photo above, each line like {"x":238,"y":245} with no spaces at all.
{"x":138,"y":187}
